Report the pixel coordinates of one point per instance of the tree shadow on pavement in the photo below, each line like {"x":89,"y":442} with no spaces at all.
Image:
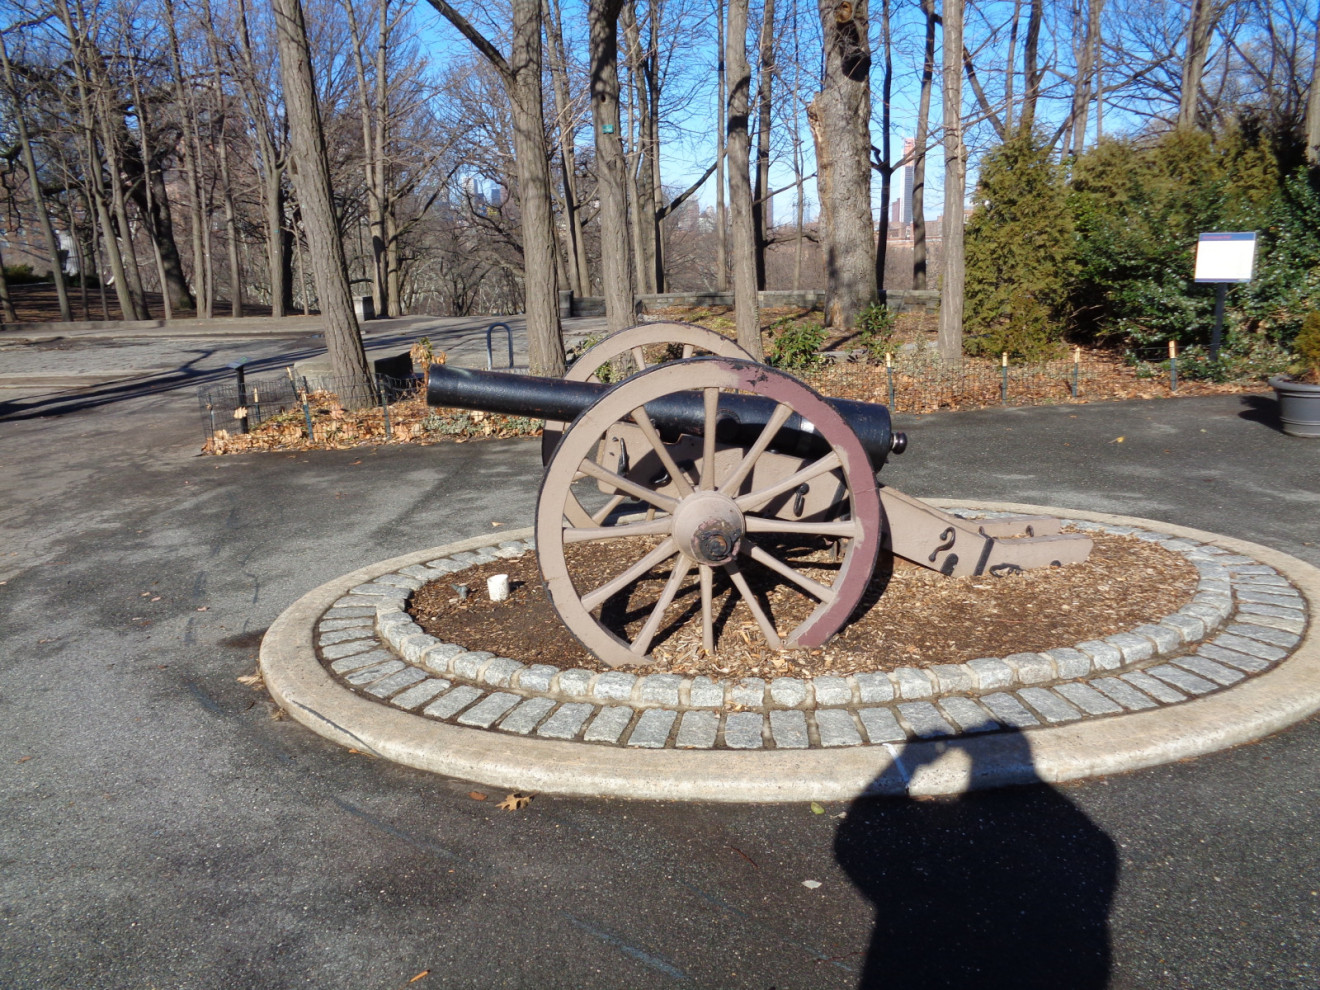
{"x":999,"y":888}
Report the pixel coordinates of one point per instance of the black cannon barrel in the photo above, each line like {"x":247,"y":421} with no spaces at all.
{"x":742,"y":417}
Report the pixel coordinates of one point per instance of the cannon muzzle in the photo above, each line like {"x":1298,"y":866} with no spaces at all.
{"x":742,"y":417}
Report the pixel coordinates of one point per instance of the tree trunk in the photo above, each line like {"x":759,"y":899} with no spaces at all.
{"x":955,"y":175}
{"x":271,"y":167}
{"x":1086,"y":49}
{"x":1031,"y":75}
{"x":748,"y":313}
{"x":146,"y":186}
{"x":1313,"y":106}
{"x":188,"y":162}
{"x":578,"y":270}
{"x":761,"y":211}
{"x":886,"y":169}
{"x":7,"y":314}
{"x":919,"y":152}
{"x":1199,"y":28}
{"x":839,"y":118}
{"x":721,"y":96}
{"x":316,"y":201}
{"x":611,"y":183}
{"x":34,"y":186}
{"x":219,"y":121}
{"x":640,"y":174}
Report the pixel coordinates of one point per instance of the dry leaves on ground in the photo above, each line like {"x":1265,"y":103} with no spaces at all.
{"x":514,"y":802}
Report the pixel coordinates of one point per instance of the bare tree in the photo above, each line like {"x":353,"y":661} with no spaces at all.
{"x":919,"y":150}
{"x":316,"y":201}
{"x":761,"y":195}
{"x":955,"y":177}
{"x":748,"y":313}
{"x":611,"y":169}
{"x":839,"y":117}
{"x":1200,"y":26}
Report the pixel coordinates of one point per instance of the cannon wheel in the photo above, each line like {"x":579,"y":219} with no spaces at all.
{"x":708,"y":526}
{"x":696,"y":340}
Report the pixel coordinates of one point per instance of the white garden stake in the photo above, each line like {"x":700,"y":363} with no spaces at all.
{"x":497,"y":586}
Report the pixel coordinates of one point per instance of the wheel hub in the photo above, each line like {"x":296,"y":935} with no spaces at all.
{"x":708,"y":527}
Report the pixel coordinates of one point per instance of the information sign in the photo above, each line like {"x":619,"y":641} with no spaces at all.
{"x":1225,"y":257}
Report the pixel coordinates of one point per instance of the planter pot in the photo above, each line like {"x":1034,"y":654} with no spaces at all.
{"x":1299,"y":407}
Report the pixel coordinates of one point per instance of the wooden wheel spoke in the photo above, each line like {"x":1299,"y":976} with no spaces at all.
{"x":676,"y":577}
{"x":768,"y":524}
{"x":762,"y":620}
{"x":603,"y":513}
{"x":754,"y":500}
{"x":639,"y":358}
{"x":622,"y":484}
{"x":586,"y":534}
{"x":688,"y":351}
{"x":711,"y":401}
{"x":817,"y":590}
{"x":647,"y":427}
{"x":707,"y":608}
{"x":574,"y":513}
{"x":626,"y":577}
{"x":777,"y":419}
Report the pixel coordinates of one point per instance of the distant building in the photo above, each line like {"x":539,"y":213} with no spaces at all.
{"x":496,"y":194}
{"x":909,"y":145}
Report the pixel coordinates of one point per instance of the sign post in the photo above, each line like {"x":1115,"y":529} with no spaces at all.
{"x":1224,"y":258}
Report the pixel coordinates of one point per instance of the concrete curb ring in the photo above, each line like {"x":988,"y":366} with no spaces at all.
{"x":1239,"y":662}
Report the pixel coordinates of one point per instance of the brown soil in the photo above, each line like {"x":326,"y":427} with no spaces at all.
{"x":910,"y":616}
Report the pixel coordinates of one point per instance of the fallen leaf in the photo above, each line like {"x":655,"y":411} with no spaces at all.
{"x":476,"y":795}
{"x":355,"y":752}
{"x":816,"y":809}
{"x":251,"y":680}
{"x":23,"y":759}
{"x":202,"y":608}
{"x":497,"y":524}
{"x":811,"y":884}
{"x":514,"y":802}
{"x":425,"y":972}
{"x":1117,"y":440}
{"x":156,"y":599}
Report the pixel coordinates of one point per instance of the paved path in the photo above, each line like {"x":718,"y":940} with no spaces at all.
{"x":158,"y":828}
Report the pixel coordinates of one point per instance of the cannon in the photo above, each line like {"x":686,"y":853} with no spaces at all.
{"x":705,"y":466}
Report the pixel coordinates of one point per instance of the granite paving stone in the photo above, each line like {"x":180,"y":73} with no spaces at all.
{"x":1157,"y":689}
{"x":608,"y":725}
{"x":468,"y":665}
{"x":420,"y":694}
{"x":1212,"y":616}
{"x":652,"y":729}
{"x":990,"y":673}
{"x":442,"y":564}
{"x":453,"y":702}
{"x":356,"y":662}
{"x":1262,"y":580}
{"x":748,"y":691}
{"x":881,"y":726}
{"x":1269,"y":598}
{"x":1276,"y":637}
{"x":1182,"y":679}
{"x":537,"y":677}
{"x":832,"y":690}
{"x":1124,"y":693}
{"x":415,"y":646}
{"x":1251,"y":665}
{"x":742,"y":730}
{"x":399,"y":581}
{"x":566,"y":721}
{"x":1164,"y":637}
{"x":1134,"y":648}
{"x":1190,"y":628}
{"x":697,"y":730}
{"x":499,"y":671}
{"x":1220,"y":588}
{"x":365,"y":675}
{"x":1104,"y":656}
{"x":789,"y":692}
{"x":485,"y":712}
{"x":661,"y":689}
{"x":396,"y":682}
{"x":360,"y":645}
{"x":873,"y":688}
{"x":376,"y":589}
{"x":355,"y":622}
{"x":1292,"y":624}
{"x":352,"y":601}
{"x":836,"y":728}
{"x":789,"y":729}
{"x":952,"y":678}
{"x":705,"y":693}
{"x":967,"y":715}
{"x":1256,"y":569}
{"x":924,"y":720}
{"x":1008,"y":711}
{"x":333,"y":636}
{"x":1087,"y":698}
{"x":1070,"y":663}
{"x":1049,"y":705}
{"x":912,"y":683}
{"x":1031,"y":668}
{"x":1280,"y":611}
{"x":614,"y":685}
{"x":575,"y":683}
{"x":437,"y":657}
{"x":1210,"y":670}
{"x":1251,"y":647}
{"x":525,"y":717}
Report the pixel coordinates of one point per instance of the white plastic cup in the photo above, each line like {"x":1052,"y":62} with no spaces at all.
{"x":497,"y":586}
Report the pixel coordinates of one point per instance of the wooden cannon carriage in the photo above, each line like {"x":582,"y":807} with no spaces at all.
{"x":705,"y":461}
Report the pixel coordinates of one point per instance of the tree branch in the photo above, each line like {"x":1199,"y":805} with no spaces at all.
{"x":479,"y":40}
{"x":684,"y":196}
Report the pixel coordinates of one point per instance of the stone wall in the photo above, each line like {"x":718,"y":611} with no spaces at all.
{"x":899,"y":300}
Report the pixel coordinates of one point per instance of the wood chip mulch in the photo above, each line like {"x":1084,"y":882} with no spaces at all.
{"x":910,"y":617}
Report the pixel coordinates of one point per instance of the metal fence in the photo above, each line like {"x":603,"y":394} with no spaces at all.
{"x":241,"y":406}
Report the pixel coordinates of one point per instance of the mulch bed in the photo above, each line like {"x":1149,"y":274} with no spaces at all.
{"x":910,"y":617}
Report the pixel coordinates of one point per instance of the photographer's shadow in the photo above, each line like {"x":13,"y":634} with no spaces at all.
{"x":991,"y":888}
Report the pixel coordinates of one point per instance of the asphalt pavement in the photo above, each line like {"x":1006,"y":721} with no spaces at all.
{"x":160,"y":828}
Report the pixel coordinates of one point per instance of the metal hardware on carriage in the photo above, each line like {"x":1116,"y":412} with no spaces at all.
{"x":724,"y":457}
